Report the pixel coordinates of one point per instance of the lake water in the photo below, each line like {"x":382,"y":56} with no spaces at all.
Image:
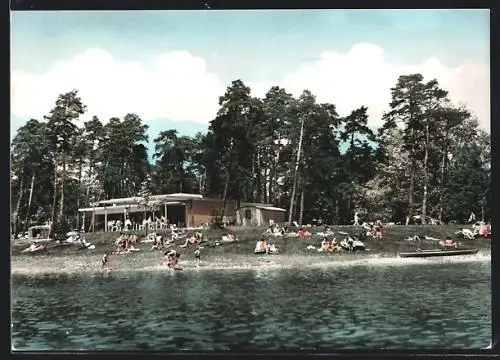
{"x":446,"y":305}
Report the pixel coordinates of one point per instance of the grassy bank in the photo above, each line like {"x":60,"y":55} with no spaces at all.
{"x":292,"y":251}
{"x":393,"y":242}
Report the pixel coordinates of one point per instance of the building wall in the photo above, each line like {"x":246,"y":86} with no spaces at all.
{"x":199,"y":212}
{"x":276,"y":216}
{"x":259,"y":217}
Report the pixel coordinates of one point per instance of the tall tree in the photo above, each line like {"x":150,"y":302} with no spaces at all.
{"x":406,"y":108}
{"x":434,"y":100}
{"x":61,"y":130}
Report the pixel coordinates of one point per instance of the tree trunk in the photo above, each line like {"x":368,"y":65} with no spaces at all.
{"x":80,"y":170}
{"x":18,"y":205}
{"x":349,"y":203}
{"x":301,"y":214}
{"x":181,"y":178}
{"x":275,"y":170}
{"x":254,"y":192}
{"x":441,"y":177}
{"x":411,"y":189}
{"x":294,"y":186}
{"x":426,"y":174}
{"x":270,"y":189}
{"x":203,"y":180}
{"x":54,"y":199}
{"x":265,"y":186}
{"x":103,"y":179}
{"x":90,"y":182}
{"x":63,"y":180}
{"x":224,"y":197}
{"x":29,"y":201}
{"x":337,"y":212}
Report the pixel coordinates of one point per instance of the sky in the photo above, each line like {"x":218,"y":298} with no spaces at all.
{"x":170,"y":67}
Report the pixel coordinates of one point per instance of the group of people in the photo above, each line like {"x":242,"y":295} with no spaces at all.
{"x":124,"y":242}
{"x":149,"y":223}
{"x":263,"y":247}
{"x":332,"y":246}
{"x":275,"y":229}
{"x":373,"y":229}
{"x":482,"y":229}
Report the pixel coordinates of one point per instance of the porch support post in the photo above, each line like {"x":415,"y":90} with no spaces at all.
{"x":105,"y":219}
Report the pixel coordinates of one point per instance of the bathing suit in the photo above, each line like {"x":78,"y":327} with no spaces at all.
{"x":197,"y":254}
{"x":105,"y":259}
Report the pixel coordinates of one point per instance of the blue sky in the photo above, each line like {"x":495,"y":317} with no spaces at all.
{"x":171,"y":66}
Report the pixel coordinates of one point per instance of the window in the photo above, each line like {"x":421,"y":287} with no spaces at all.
{"x":248,"y":214}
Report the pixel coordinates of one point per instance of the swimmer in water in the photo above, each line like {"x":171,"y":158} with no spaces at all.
{"x":105,"y":261}
{"x":197,"y":256}
{"x":172,"y":258}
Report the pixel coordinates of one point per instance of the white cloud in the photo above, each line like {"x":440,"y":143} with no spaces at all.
{"x":363,"y":76}
{"x":179,"y":86}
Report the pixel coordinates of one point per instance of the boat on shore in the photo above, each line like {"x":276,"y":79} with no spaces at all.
{"x":439,"y":252}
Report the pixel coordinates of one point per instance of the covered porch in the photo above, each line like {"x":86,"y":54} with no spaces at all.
{"x":162,"y":212}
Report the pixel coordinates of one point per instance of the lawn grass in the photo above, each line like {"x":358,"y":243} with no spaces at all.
{"x":392,"y":243}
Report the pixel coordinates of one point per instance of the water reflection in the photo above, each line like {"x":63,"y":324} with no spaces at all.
{"x":439,"y":306}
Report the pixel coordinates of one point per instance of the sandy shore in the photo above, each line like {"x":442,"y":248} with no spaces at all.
{"x":152,"y":261}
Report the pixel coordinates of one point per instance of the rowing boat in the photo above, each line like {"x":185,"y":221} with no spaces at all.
{"x":439,"y":252}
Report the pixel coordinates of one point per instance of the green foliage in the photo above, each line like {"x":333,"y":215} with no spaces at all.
{"x":59,"y":230}
{"x":217,"y":221}
{"x":428,"y":157}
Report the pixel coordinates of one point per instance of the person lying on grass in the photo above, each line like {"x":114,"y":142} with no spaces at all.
{"x":261,"y":247}
{"x":449,"y":243}
{"x":193,"y":240}
{"x":229,"y":238}
{"x":303,"y":233}
{"x":159,"y":245}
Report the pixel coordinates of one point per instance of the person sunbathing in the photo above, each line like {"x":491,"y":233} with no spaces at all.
{"x":271,"y":249}
{"x":303,"y":233}
{"x":329,"y":231}
{"x":261,"y":247}
{"x":449,"y":243}
{"x":377,"y":231}
{"x":335,"y":247}
{"x":485,"y":231}
{"x":158,"y":245}
{"x":325,"y":245}
{"x":229,"y":238}
{"x":193,"y":240}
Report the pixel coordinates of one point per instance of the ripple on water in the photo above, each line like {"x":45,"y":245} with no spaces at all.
{"x":372,"y":307}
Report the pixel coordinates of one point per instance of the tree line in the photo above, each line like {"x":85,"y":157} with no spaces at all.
{"x":428,"y":158}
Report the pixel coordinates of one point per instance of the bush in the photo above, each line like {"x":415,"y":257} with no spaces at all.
{"x":217,"y":221}
{"x":59,"y":230}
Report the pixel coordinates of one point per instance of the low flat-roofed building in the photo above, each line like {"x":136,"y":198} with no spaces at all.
{"x":183,"y":210}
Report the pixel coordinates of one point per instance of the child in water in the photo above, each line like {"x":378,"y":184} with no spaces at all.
{"x":197,"y":256}
{"x":105,"y":261}
{"x":172,"y":258}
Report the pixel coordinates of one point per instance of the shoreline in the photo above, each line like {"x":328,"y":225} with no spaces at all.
{"x":41,"y":265}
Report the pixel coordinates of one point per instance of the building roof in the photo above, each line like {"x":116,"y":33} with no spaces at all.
{"x":159,"y":198}
{"x":271,"y":208}
{"x":118,"y":209}
{"x":263,"y":207}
